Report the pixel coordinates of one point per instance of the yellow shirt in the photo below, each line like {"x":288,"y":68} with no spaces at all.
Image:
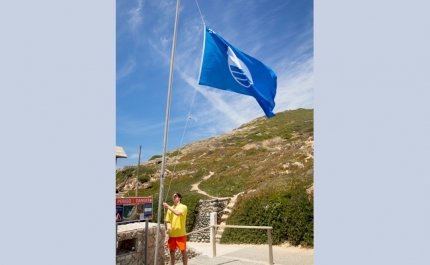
{"x":177,"y":222}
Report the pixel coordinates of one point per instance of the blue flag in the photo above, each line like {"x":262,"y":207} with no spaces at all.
{"x":225,"y":67}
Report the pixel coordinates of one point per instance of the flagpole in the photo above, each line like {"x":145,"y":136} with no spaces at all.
{"x":138,"y":165}
{"x":166,"y":130}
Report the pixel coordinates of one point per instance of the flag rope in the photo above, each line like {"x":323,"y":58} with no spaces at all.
{"x":180,"y":146}
{"x":185,"y":127}
{"x":200,"y":13}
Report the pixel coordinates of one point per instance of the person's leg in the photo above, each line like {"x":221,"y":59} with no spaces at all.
{"x":184,"y":257}
{"x":172,"y":248}
{"x":182,"y":245}
{"x":172,"y":257}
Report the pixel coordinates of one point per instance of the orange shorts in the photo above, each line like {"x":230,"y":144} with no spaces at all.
{"x":180,"y":242}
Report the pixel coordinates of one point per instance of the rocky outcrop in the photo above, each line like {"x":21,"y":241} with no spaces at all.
{"x":130,"y":184}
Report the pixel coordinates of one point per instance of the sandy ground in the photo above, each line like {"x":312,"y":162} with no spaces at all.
{"x":250,"y":254}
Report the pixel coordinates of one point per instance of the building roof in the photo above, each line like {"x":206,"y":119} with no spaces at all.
{"x":120,"y":152}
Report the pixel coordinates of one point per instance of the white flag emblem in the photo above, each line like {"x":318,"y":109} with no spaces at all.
{"x":238,"y":69}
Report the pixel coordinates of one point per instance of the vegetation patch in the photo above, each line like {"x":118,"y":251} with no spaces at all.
{"x":279,"y":171}
{"x":131,"y":172}
{"x":179,"y":166}
{"x":173,"y":154}
{"x":231,"y":185}
{"x":288,"y":210}
{"x":155,"y":156}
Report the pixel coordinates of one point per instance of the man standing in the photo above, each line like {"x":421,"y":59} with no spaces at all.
{"x":175,"y":219}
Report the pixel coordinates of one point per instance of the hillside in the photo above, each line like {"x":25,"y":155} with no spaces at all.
{"x":269,"y":161}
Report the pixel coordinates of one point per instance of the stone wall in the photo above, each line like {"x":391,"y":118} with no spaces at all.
{"x":131,"y":244}
{"x":203,"y":219}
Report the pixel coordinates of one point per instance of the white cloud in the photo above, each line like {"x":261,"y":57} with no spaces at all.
{"x":295,"y":87}
{"x":135,"y":16}
{"x":134,"y":156}
{"x":126,"y":69}
{"x":135,"y":127}
{"x":164,"y":41}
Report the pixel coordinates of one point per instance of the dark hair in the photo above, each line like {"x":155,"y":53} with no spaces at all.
{"x":179,"y":195}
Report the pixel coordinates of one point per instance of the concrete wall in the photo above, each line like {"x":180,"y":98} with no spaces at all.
{"x":131,"y":244}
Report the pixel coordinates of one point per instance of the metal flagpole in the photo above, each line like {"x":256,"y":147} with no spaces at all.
{"x":166,"y":129}
{"x":138,"y":164}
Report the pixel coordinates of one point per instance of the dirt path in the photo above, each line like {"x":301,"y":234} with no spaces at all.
{"x":195,"y":186}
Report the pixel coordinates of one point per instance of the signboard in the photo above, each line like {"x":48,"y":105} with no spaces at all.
{"x":119,"y":211}
{"x":133,"y":208}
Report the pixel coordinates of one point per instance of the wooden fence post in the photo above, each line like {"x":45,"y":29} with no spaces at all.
{"x":213,"y":222}
{"x":269,"y":235}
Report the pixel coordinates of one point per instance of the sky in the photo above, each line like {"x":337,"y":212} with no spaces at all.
{"x":278,"y":33}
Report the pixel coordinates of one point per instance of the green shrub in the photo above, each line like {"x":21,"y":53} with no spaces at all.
{"x":288,"y":210}
{"x":146,"y":170}
{"x":131,"y":172}
{"x":299,"y":217}
{"x":266,"y":208}
{"x":126,"y":173}
{"x":287,"y":135}
{"x":144,"y":178}
{"x":155,"y":156}
{"x":173,"y":154}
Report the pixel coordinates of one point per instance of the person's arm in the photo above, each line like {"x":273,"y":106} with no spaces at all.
{"x":168,"y":226}
{"x":174,"y":211}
